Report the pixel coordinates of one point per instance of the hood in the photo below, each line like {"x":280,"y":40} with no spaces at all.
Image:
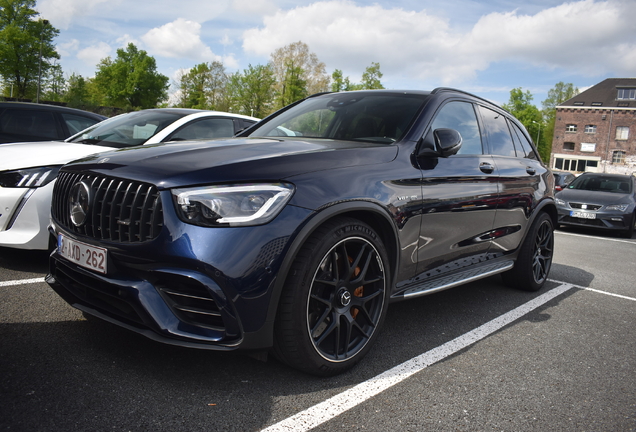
{"x":593,"y":197}
{"x":232,"y":160}
{"x":44,"y":153}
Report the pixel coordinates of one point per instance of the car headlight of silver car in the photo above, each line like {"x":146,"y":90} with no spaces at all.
{"x":232,"y":205}
{"x":617,"y":207}
{"x":28,"y":177}
{"x":560,"y":202}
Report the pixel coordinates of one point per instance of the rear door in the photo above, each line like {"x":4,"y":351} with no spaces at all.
{"x":521,"y":178}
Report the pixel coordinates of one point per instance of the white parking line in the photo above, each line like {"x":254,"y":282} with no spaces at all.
{"x":594,"y":237}
{"x":21,"y":282}
{"x":338,"y":404}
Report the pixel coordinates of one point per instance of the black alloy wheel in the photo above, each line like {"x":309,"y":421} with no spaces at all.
{"x":335,"y":300}
{"x":533,"y":264}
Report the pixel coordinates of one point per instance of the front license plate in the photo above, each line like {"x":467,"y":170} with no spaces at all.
{"x":583,"y":215}
{"x":83,"y":254}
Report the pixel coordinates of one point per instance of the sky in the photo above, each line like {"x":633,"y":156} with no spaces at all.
{"x":484,"y":47}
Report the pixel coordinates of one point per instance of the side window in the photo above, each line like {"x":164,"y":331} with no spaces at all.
{"x":461,"y":117}
{"x":521,"y":142}
{"x":30,"y":123}
{"x":205,"y":129}
{"x":498,"y":133}
{"x":77,"y":123}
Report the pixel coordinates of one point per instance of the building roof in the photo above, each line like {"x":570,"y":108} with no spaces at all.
{"x":603,"y":94}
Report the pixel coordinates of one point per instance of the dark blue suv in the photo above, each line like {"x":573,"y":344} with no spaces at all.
{"x":295,"y":236}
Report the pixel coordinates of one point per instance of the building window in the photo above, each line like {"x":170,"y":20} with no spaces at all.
{"x":588,"y":147}
{"x":618,"y":157}
{"x":626,"y":94}
{"x":590,"y":129}
{"x":568,"y":146}
{"x":570,"y":128}
{"x":575,"y":165}
{"x":622,"y":132}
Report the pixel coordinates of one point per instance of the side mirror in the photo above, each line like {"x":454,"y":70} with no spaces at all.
{"x":447,"y":141}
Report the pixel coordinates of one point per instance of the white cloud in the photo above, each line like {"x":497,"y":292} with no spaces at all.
{"x":62,"y":13}
{"x":585,"y":36}
{"x":93,"y":54}
{"x":254,"y":7}
{"x":68,"y":48}
{"x":179,"y":39}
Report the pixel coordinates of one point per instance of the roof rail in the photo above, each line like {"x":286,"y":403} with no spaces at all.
{"x":450,"y":89}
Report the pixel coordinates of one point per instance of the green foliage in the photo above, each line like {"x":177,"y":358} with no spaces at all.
{"x":556,"y":96}
{"x":252,"y":91}
{"x":204,"y":87}
{"x":298,"y":73}
{"x":520,"y":105}
{"x":23,"y":41}
{"x":371,"y":77}
{"x":131,"y":81}
{"x":370,"y":80}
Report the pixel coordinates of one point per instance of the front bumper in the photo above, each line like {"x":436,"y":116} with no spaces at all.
{"x":192,"y":286}
{"x":607,"y":220}
{"x":24,"y":217}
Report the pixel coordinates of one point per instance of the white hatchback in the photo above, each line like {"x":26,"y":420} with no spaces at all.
{"x":28,"y":170}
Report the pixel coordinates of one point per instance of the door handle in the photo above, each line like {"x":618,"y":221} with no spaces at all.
{"x":531,"y":170}
{"x":486,"y":168}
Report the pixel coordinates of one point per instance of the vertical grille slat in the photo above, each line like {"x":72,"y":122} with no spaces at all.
{"x":121,"y":211}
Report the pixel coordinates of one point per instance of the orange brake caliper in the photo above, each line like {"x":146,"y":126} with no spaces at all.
{"x":358,"y":292}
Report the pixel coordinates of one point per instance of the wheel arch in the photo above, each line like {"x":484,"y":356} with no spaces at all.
{"x":370,"y":213}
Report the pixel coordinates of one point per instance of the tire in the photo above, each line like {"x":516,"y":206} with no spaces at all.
{"x":334,"y":299}
{"x":535,"y":257}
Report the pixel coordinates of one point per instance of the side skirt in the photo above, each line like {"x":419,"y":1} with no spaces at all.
{"x":455,"y":279}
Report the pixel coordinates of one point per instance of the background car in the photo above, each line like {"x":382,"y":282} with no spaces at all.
{"x":28,"y":170}
{"x":296,"y":235}
{"x":27,"y":122}
{"x":601,"y":201}
{"x":562,"y":179}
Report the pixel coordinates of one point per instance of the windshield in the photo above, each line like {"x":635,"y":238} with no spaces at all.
{"x":357,"y":116}
{"x":128,"y":130}
{"x":602,"y":183}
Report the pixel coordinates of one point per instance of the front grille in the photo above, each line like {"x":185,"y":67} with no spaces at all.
{"x":588,"y":206}
{"x":581,"y":221}
{"x":120,"y":210}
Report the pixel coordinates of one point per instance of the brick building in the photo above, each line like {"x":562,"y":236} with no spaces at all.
{"x":596,"y":130}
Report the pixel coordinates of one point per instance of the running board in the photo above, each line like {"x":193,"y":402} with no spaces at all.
{"x":456,"y":279}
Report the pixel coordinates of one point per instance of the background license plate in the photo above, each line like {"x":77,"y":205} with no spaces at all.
{"x":583,"y":215}
{"x":85,"y":255}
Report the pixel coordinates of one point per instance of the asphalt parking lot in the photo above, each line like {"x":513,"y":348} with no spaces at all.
{"x":480,"y":357}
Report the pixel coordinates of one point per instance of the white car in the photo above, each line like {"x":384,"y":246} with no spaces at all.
{"x":28,"y":170}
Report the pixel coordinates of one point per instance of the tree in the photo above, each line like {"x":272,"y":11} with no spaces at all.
{"x":556,"y":96}
{"x":370,"y":80}
{"x":371,"y":77}
{"x":294,"y":66}
{"x":23,"y":42}
{"x":204,"y":87}
{"x":54,"y":86}
{"x":253,"y":90}
{"x":520,"y":105}
{"x":131,"y":81}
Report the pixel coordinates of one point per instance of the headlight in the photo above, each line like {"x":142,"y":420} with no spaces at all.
{"x":560,"y":202}
{"x":617,"y":207}
{"x":28,"y":177}
{"x":234,"y":205}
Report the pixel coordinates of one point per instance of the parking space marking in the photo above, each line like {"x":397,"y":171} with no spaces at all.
{"x":594,"y":237}
{"x":340,"y":403}
{"x":21,"y":282}
{"x":610,"y":294}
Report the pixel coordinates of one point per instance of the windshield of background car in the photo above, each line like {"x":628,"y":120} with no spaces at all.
{"x":602,"y":184}
{"x":378,"y":118}
{"x":128,"y":130}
